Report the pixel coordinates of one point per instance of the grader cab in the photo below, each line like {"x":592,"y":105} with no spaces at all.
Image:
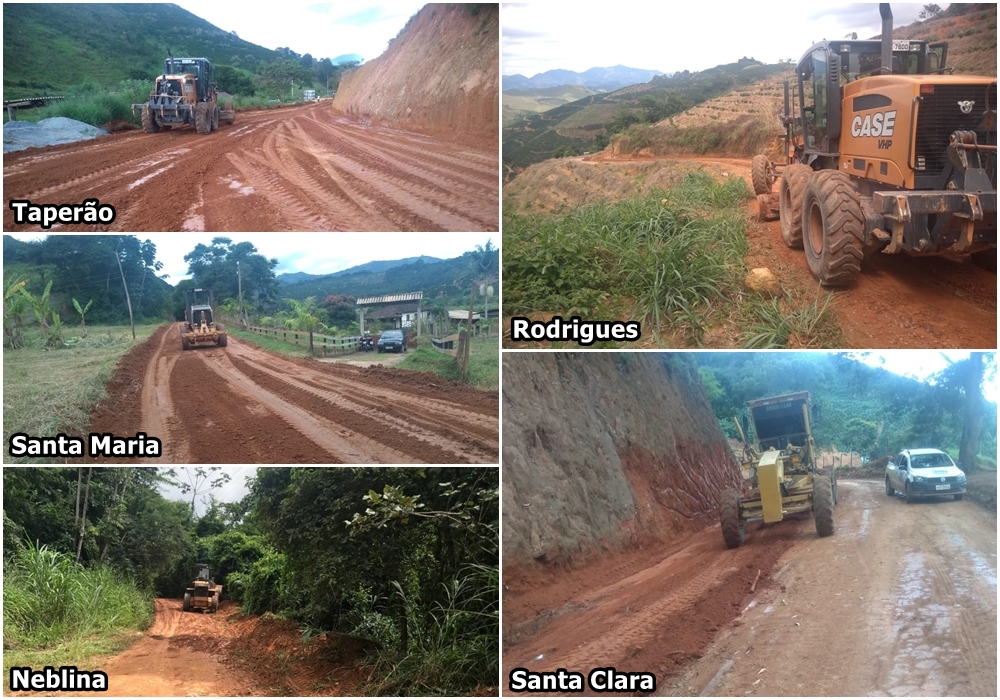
{"x":780,"y":468}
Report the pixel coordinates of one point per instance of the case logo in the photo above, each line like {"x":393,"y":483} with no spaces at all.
{"x":878,"y":124}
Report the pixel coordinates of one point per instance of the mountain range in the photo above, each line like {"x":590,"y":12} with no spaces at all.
{"x":594,"y":78}
{"x":288,"y":278}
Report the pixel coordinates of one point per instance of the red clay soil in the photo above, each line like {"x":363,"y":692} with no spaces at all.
{"x":653,"y":608}
{"x":298,"y":169}
{"x":265,"y":408}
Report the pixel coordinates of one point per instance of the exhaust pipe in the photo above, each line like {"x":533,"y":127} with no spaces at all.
{"x":886,"y":12}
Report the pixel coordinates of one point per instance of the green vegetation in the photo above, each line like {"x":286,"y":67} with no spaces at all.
{"x":425,"y":590}
{"x":589,"y":124}
{"x":484,"y":363}
{"x":667,"y":254}
{"x":46,"y":393}
{"x":860,"y":408}
{"x":269,"y":343}
{"x":56,"y":611}
{"x":746,"y":135}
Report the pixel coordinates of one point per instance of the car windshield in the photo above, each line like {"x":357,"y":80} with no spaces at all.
{"x":392,"y":335}
{"x":928,"y":461}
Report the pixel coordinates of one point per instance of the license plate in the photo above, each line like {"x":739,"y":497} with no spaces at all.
{"x":943,"y":487}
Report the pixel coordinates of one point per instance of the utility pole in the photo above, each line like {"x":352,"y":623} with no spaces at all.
{"x":130,"y":318}
{"x":239,"y":284}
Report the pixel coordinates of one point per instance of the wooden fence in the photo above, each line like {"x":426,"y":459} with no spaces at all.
{"x":447,"y":345}
{"x":323,"y":345}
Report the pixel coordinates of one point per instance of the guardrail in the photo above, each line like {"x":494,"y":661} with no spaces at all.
{"x":11,"y":105}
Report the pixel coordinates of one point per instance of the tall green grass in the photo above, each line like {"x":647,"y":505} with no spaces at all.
{"x":452,"y":646}
{"x":99,"y":105}
{"x":665,"y":257}
{"x":55,"y":609}
{"x":484,"y":363}
{"x":746,"y":135}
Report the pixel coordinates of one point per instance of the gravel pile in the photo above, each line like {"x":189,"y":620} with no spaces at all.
{"x":48,"y":132}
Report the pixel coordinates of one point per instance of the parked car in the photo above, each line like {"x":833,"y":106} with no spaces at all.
{"x":392,"y":341}
{"x":924,"y":472}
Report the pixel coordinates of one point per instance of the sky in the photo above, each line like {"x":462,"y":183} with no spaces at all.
{"x":230,"y":492}
{"x":920,"y":364}
{"x":315,"y":253}
{"x":672,"y":36}
{"x":323,"y":29}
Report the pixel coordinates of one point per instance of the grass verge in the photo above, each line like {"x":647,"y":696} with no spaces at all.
{"x":484,"y":363}
{"x":268,"y":343}
{"x":58,"y":613}
{"x":46,"y":392}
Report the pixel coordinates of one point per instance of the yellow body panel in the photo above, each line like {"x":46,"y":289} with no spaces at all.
{"x":770,"y":474}
{"x":883,"y":134}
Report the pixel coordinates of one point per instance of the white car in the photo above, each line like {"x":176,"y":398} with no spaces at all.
{"x":924,"y":472}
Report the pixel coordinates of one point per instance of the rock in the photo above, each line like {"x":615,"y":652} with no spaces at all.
{"x":762,"y":281}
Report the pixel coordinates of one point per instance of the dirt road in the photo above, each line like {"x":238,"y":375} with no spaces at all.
{"x":241,"y":405}
{"x":900,"y":601}
{"x":294,"y":169}
{"x":179,"y":656}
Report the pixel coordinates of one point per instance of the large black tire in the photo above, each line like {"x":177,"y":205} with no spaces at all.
{"x":761,"y":174}
{"x":149,"y":124}
{"x":733,"y":526}
{"x":223,"y":341}
{"x":202,"y":119}
{"x":832,"y":228}
{"x":185,"y":344}
{"x":910,"y":498}
{"x":823,"y":506}
{"x":187,"y":602}
{"x":790,"y":192}
{"x":215,"y":118}
{"x":889,"y":491}
{"x":215,"y":603}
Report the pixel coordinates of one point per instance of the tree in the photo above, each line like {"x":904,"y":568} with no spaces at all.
{"x":199,"y":480}
{"x":973,"y":411}
{"x":341,"y":309}
{"x":930,"y":11}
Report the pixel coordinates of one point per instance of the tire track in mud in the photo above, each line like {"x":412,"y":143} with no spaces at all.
{"x":242,"y":405}
{"x":311,"y":170}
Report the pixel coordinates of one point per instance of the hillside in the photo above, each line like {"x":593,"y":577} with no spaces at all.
{"x":289,"y":278}
{"x":435,"y":278}
{"x":44,"y":49}
{"x":594,"y":78}
{"x":533,"y":100}
{"x":753,"y":110}
{"x":440,"y":75}
{"x":579,"y":125}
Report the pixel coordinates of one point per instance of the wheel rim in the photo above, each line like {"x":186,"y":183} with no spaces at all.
{"x":816,"y":228}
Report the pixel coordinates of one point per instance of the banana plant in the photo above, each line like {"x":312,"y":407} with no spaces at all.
{"x":82,"y":311}
{"x":40,"y":305}
{"x":14,"y":307}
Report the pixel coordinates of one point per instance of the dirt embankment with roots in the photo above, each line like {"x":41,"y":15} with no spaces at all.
{"x":440,"y":75}
{"x":612,"y":463}
{"x":613,"y":555}
{"x":244,"y":405}
{"x":303,"y":168}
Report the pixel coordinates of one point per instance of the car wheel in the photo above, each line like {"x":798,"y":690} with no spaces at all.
{"x":958,"y":496}
{"x":910,"y":498}
{"x":889,"y":491}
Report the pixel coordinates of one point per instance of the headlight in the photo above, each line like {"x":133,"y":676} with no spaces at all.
{"x":918,"y":478}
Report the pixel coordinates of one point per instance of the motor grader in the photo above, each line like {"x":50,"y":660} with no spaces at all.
{"x":199,"y":326}
{"x":780,"y":468}
{"x":203,"y":594}
{"x":886,"y":153}
{"x":185,"y":94}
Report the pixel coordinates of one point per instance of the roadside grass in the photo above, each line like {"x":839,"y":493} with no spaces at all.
{"x":671,"y":259}
{"x":484,"y":363}
{"x":46,"y":392}
{"x":97,"y":105}
{"x":268,"y":343}
{"x":662,"y":259}
{"x":59,"y":613}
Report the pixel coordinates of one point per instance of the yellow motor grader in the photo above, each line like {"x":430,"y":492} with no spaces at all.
{"x":199,"y":326}
{"x":203,"y":594}
{"x":780,"y":468}
{"x":185,"y":94}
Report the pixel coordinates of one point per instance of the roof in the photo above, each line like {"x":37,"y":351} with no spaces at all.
{"x":461,"y":315}
{"x":389,"y":298}
{"x":393,"y":310}
{"x":925,"y":451}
